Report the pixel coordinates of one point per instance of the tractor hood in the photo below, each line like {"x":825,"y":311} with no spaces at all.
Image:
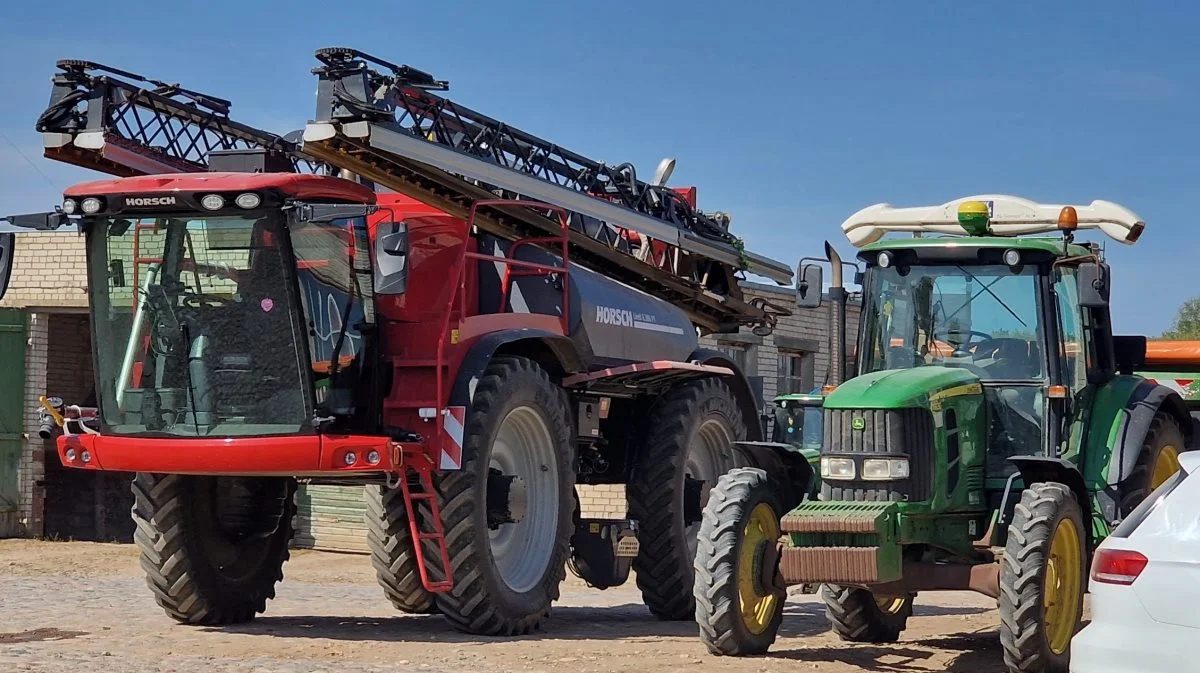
{"x":898,"y":388}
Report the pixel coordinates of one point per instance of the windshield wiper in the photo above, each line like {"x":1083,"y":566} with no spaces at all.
{"x":335,"y":359}
{"x":988,"y":288}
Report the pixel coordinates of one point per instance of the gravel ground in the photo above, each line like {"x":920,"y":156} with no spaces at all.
{"x":84,"y":607}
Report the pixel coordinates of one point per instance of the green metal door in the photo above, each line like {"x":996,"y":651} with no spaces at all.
{"x":12,"y":403}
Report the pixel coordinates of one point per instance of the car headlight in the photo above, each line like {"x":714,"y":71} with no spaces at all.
{"x":837,"y":468}
{"x":879,"y":469}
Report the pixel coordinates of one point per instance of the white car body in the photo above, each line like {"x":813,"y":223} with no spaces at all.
{"x":1147,"y":620}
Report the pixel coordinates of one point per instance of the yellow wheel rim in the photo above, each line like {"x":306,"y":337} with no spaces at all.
{"x":889,"y":604}
{"x":1165,"y":465}
{"x":1063,"y":583}
{"x":757,"y":604}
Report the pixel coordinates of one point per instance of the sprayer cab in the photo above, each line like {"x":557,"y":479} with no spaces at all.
{"x":230,"y":305}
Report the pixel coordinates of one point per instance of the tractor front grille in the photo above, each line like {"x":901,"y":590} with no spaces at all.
{"x":891,"y":432}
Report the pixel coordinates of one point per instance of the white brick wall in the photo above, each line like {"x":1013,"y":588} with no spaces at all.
{"x":49,"y":271}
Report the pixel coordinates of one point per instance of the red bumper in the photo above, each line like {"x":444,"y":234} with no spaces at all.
{"x":294,"y":456}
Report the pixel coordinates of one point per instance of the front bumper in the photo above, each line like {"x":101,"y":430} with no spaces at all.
{"x":312,"y":455}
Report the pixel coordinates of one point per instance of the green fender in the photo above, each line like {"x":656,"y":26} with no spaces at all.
{"x":1122,"y":413}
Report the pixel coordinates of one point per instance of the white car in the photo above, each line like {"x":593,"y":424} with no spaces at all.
{"x":1145,"y":586}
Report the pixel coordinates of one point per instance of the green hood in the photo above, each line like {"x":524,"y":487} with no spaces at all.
{"x":897,"y":388}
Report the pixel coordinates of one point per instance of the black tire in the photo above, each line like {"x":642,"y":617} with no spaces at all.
{"x":664,"y":564}
{"x":481,"y":601}
{"x":723,"y":629}
{"x":392,"y":552}
{"x":1164,"y":432}
{"x":200,"y":569}
{"x":1024,"y":635}
{"x":857,"y":616}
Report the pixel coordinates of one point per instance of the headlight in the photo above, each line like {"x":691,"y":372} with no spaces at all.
{"x":837,"y":468}
{"x":248,"y":200}
{"x":879,"y":469}
{"x":90,"y":205}
{"x":213,"y":202}
{"x":69,"y":206}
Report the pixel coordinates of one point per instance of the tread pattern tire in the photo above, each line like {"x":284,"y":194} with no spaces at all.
{"x":716,"y":591}
{"x":664,"y":567}
{"x":480,"y":602}
{"x":173,"y":548}
{"x":855,"y":616}
{"x":392,"y":552}
{"x":1022,"y":572}
{"x":1164,"y":430}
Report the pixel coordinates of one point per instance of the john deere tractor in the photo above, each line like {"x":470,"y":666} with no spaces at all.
{"x":993,"y":435}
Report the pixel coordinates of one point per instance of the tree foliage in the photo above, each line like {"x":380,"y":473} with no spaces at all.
{"x":1187,"y":321}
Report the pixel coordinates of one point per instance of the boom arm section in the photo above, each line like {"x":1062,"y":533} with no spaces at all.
{"x":389,"y":128}
{"x":110,"y":122}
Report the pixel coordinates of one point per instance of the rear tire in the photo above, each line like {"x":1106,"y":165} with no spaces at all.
{"x":1157,"y":460}
{"x":859,"y":616}
{"x":507,"y":577}
{"x":737,"y":610}
{"x":691,"y":431}
{"x":1045,"y":558}
{"x":392,"y":552}
{"x":213,"y":548}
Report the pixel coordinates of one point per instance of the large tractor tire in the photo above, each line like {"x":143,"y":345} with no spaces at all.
{"x":507,"y":512}
{"x":392,"y":552}
{"x":213,"y":548}
{"x":1158,"y":459}
{"x":739,"y":604}
{"x":689,"y":446}
{"x":1042,"y":580}
{"x":859,"y":616}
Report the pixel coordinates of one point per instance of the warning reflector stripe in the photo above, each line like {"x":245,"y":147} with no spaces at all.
{"x":452,"y":438}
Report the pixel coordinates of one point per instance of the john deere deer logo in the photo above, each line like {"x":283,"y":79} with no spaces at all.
{"x":858,"y":423}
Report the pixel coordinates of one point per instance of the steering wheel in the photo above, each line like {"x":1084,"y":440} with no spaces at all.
{"x":196,"y":300}
{"x":961,"y":345}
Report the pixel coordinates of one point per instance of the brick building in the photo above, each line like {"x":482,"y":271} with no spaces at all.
{"x":45,"y":349}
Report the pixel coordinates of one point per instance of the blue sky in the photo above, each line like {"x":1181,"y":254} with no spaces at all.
{"x":788,"y":115}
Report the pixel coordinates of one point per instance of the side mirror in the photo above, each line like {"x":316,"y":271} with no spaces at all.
{"x":1093,"y":285}
{"x":391,"y":258}
{"x":808,"y":286}
{"x":8,"y":242}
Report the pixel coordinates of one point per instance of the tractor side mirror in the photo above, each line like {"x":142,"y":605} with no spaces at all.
{"x":8,"y":241}
{"x":808,"y":286}
{"x":391,"y":258}
{"x":1093,"y":285}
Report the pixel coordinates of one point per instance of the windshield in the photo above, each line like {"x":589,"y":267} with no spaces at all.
{"x":196,"y":328}
{"x":798,"y":425}
{"x":983,"y":318}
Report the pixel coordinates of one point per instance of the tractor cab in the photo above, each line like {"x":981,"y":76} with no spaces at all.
{"x":976,"y":314}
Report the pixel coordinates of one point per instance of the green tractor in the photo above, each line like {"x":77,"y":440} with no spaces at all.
{"x":992,"y":437}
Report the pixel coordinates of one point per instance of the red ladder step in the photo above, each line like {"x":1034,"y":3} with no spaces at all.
{"x":438,"y":535}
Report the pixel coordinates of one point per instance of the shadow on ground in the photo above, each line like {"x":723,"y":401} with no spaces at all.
{"x":38,"y":636}
{"x":976,"y":652}
{"x":613,"y":622}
